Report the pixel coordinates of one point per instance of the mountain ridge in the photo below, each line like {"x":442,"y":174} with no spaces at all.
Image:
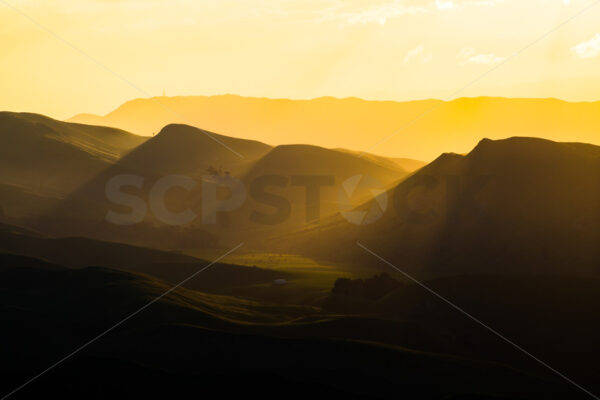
{"x":429,"y":127}
{"x":518,"y":205}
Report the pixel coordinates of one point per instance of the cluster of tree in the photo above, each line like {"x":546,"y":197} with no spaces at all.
{"x":212,"y":171}
{"x":371,"y":288}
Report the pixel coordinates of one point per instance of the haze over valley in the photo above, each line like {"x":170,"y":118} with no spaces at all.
{"x":398,"y":199}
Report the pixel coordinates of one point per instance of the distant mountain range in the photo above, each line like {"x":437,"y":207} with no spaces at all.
{"x":417,"y":129}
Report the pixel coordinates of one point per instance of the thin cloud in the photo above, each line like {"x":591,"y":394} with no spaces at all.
{"x":589,"y":48}
{"x":468,"y":55}
{"x":417,"y":55}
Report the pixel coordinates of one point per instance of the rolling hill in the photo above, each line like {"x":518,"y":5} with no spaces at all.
{"x":238,"y":340}
{"x":43,"y":160}
{"x":176,"y":150}
{"x":19,"y":204}
{"x":300,"y":166}
{"x":551,"y":317}
{"x":520,"y":205}
{"x":508,"y":232}
{"x":313,"y":160}
{"x":192,"y":153}
{"x":425,"y":129}
{"x":406,"y":164}
{"x":185,"y":150}
{"x":172,"y":267}
{"x":51,"y":158}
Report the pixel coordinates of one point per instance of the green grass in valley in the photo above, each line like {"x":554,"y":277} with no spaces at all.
{"x":307,"y":279}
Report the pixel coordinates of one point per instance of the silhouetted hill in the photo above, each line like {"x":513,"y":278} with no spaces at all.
{"x":314,"y":160}
{"x":52,"y":158}
{"x":168,"y":266}
{"x":406,"y":164}
{"x":409,"y":164}
{"x":176,"y":150}
{"x":162,"y":345}
{"x":551,"y":317}
{"x":286,"y":171}
{"x":185,"y":150}
{"x":19,"y":204}
{"x":423,"y":134}
{"x":83,"y":252}
{"x":87,"y":119}
{"x":304,"y":160}
{"x":192,"y":153}
{"x":519,"y":205}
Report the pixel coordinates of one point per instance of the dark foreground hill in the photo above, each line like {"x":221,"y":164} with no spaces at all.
{"x":19,"y":204}
{"x":188,"y":340}
{"x":172,"y":267}
{"x":551,"y":317}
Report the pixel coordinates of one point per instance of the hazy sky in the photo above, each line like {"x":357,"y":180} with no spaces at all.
{"x":375,"y":49}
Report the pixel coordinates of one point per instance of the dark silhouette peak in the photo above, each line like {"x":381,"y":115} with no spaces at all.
{"x":23,"y":115}
{"x":517,"y":142}
{"x":183,"y":131}
{"x":299,"y":149}
{"x":181,"y":134}
{"x":316,"y":155}
{"x":444,"y":157}
{"x":532,"y":149}
{"x":184,"y":149}
{"x":514,"y":140}
{"x":445,"y":163}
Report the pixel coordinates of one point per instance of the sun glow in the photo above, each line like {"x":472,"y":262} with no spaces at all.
{"x":65,"y":57}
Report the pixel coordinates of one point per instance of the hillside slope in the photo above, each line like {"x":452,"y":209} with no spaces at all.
{"x":185,"y":150}
{"x":407,"y":164}
{"x":52,"y":158}
{"x":162,"y":345}
{"x":301,"y":166}
{"x":171,"y":267}
{"x":177,"y":150}
{"x":192,"y":155}
{"x":519,"y":205}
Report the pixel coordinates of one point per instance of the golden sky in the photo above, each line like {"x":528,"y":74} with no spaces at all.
{"x":63,"y":57}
